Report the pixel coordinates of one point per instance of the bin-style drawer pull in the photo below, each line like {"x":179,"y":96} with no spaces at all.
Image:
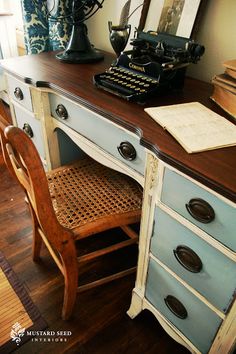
{"x":28,"y":130}
{"x":61,"y":111}
{"x":127,"y":151}
{"x":176,"y":307}
{"x":18,"y":94}
{"x":188,"y":258}
{"x":200,"y":210}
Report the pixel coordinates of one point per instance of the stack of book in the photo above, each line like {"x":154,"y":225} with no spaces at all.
{"x":224,"y":93}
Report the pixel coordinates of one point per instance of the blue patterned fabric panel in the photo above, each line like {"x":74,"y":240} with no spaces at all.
{"x":45,"y":26}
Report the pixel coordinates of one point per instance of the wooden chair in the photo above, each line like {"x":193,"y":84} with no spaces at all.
{"x":71,"y":203}
{"x":3,"y":125}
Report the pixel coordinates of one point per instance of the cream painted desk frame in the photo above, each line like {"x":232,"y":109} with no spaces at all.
{"x":39,"y":110}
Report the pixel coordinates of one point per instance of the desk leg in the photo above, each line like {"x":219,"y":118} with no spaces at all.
{"x":135,"y":306}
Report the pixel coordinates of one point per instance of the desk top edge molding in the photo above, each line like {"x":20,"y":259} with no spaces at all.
{"x":216,"y":169}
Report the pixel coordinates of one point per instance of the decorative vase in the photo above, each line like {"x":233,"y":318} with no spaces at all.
{"x":119,"y":36}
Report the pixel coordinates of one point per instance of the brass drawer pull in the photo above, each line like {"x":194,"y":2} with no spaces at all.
{"x":28,"y":130}
{"x":18,"y":94}
{"x":61,"y":111}
{"x":200,"y":210}
{"x":127,"y":151}
{"x":176,"y":307}
{"x":188,"y":258}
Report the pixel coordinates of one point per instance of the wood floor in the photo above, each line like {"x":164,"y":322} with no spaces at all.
{"x":100,"y":324}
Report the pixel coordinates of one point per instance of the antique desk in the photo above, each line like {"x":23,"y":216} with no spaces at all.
{"x":187,"y":262}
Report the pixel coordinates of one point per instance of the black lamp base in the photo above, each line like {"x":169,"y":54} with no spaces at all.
{"x":75,"y":57}
{"x":79,"y":48}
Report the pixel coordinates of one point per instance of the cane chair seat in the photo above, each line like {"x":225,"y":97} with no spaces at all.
{"x":86,"y":192}
{"x":71,"y":203}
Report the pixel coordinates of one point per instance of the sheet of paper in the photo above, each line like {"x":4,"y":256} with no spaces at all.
{"x":194,"y":126}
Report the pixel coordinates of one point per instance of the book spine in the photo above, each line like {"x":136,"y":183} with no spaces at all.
{"x":224,"y":85}
{"x":231,"y":72}
{"x":225,"y":98}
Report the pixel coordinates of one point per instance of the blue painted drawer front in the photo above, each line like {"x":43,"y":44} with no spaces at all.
{"x":101,"y":132}
{"x":12,"y":84}
{"x":201,"y":323}
{"x":216,"y":280}
{"x":23,"y":117}
{"x":177,"y":191}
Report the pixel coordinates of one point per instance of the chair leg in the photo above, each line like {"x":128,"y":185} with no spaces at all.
{"x":70,"y":268}
{"x":37,"y":244}
{"x":37,"y":239}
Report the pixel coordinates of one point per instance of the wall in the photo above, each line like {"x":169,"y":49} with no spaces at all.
{"x":217,"y":33}
{"x":14,"y":7}
{"x":98,"y":24}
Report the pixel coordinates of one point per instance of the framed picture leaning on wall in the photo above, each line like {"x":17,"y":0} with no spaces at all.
{"x":177,"y":17}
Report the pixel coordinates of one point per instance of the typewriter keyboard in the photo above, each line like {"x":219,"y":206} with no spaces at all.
{"x":126,"y":83}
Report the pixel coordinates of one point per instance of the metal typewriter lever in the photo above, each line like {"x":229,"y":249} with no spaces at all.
{"x":160,"y":50}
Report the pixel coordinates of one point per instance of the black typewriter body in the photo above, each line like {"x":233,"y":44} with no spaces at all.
{"x":156,"y":64}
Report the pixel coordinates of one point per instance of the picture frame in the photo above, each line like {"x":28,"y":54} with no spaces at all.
{"x":176,"y":17}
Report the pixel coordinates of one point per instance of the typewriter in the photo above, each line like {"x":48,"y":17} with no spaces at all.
{"x":157,"y":63}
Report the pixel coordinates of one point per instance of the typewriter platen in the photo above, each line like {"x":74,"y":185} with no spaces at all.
{"x":156,"y":63}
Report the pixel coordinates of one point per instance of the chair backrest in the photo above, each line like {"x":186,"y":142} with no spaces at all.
{"x":3,"y":125}
{"x":29,"y":170}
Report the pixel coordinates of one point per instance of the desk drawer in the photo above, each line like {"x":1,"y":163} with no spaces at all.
{"x":23,"y":117}
{"x":178,"y":191}
{"x":100,"y":131}
{"x":189,"y":314}
{"x":20,"y":92}
{"x":203,"y":267}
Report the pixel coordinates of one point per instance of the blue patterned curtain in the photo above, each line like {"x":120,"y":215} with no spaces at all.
{"x":42,"y":32}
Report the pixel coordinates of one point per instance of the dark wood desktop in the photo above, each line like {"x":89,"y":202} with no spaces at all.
{"x":216,"y":169}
